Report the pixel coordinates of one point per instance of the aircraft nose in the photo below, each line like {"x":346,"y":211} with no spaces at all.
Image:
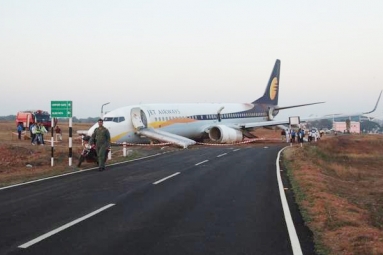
{"x":108,"y":126}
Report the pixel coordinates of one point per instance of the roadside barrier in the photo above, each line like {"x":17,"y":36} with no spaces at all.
{"x":230,"y":144}
{"x":125,"y":152}
{"x":141,"y":144}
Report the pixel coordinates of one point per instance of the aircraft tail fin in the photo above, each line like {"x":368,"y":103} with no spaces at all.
{"x":272,"y":90}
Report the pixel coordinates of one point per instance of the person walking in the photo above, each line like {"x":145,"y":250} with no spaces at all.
{"x":287,"y":136}
{"x":101,"y":137}
{"x":36,"y":130}
{"x":58,"y":133}
{"x":309,"y":136}
{"x":292,"y":135}
{"x":19,"y":129}
{"x":43,"y":131}
{"x":33,"y":128}
{"x":283,"y":134}
{"x":300,"y":135}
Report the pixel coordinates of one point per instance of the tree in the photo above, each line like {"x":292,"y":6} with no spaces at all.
{"x":321,"y":124}
{"x":368,"y":126}
{"x":348,"y":125}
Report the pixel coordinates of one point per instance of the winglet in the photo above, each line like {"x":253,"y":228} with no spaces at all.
{"x":376,"y":105}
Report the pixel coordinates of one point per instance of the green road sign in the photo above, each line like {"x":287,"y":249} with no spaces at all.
{"x":61,"y":109}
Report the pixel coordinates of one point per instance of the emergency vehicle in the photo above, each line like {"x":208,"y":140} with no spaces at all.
{"x":33,"y":116}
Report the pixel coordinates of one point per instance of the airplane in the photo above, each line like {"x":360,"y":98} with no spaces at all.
{"x":185,"y":124}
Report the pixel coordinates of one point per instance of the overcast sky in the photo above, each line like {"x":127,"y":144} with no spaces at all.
{"x":131,"y":52}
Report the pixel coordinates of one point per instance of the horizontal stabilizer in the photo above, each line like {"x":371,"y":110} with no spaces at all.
{"x":164,"y":136}
{"x":294,"y":106}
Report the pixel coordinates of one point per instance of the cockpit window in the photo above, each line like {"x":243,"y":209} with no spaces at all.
{"x":114,"y":119}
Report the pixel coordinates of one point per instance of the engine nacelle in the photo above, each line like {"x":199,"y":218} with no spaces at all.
{"x":271,"y":113}
{"x":224,"y":134}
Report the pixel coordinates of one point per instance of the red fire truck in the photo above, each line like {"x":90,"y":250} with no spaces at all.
{"x":33,"y":116}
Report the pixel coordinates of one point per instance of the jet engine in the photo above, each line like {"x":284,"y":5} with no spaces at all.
{"x":224,"y":134}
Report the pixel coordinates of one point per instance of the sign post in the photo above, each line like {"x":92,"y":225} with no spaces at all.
{"x":62,"y":109}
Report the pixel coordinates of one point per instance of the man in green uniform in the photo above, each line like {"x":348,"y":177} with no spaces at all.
{"x":101,"y":137}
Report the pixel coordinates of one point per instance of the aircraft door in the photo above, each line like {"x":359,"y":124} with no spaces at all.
{"x":138,"y":117}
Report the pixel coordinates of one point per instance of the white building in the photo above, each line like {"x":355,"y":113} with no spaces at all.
{"x":341,"y":126}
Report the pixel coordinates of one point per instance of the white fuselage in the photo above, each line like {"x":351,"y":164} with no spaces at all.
{"x":187,"y":120}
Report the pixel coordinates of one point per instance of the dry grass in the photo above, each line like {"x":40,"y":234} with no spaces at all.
{"x":16,"y":155}
{"x":338,"y":183}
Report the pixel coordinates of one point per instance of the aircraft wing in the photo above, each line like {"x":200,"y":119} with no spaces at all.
{"x":302,"y":120}
{"x":342,"y":115}
{"x":267,"y":123}
{"x":294,"y":106}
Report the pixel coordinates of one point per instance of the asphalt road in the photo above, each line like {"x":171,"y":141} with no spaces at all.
{"x":220,"y":200}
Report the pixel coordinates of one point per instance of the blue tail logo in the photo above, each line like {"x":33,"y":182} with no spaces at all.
{"x":274,"y":88}
{"x":270,"y":96}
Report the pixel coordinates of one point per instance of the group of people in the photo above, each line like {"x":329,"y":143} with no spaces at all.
{"x":37,"y":133}
{"x":100,"y":137}
{"x":292,"y":136}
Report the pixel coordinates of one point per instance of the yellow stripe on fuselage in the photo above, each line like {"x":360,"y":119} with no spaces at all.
{"x":159,"y":124}
{"x":118,"y":137}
